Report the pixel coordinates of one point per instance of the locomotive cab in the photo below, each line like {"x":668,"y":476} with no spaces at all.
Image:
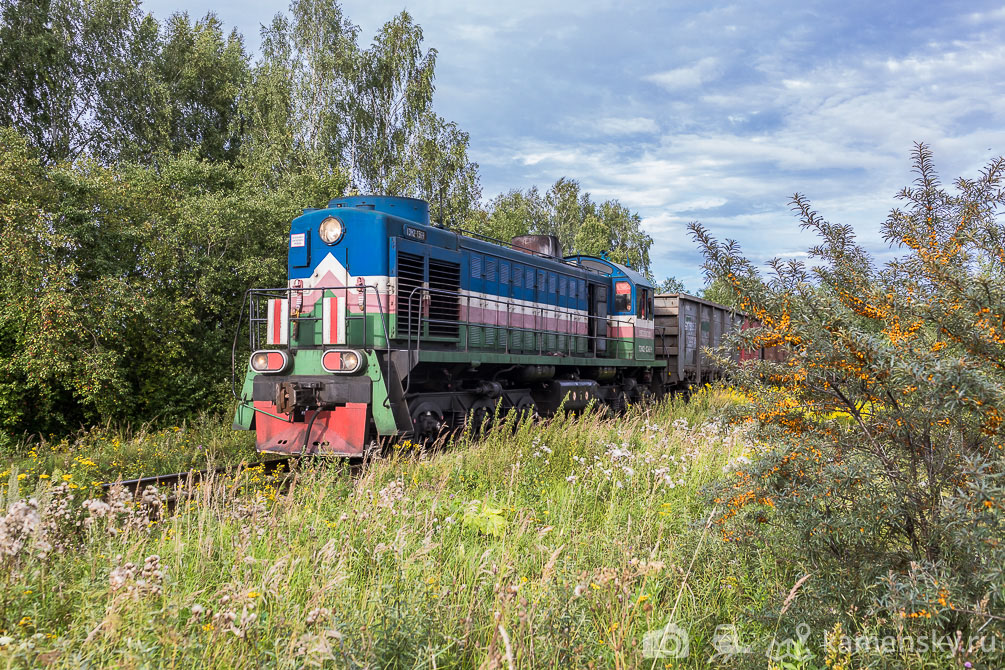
{"x":628,"y":310}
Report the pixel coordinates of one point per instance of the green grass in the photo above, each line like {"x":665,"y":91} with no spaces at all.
{"x":557,"y":544}
{"x":106,"y":453}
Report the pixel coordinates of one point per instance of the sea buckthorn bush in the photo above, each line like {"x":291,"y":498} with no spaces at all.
{"x":882,"y":466}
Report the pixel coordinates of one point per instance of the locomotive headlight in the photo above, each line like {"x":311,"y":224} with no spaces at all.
{"x":269,"y":361}
{"x":331,"y":230}
{"x":341,"y":361}
{"x":350,"y":360}
{"x":260,"y":361}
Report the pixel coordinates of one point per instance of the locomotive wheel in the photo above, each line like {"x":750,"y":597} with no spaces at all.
{"x":525,"y":409}
{"x":479,"y":417}
{"x":618,"y":404}
{"x":427,"y":421}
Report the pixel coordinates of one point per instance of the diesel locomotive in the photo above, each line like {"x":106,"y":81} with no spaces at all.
{"x":391,"y":326}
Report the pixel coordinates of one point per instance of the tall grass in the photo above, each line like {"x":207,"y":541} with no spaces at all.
{"x":545,"y":545}
{"x":106,"y":453}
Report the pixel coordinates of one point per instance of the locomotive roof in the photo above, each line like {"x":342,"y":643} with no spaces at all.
{"x":617,"y":269}
{"x":634,"y":275}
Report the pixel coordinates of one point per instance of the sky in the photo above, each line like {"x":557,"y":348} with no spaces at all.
{"x":714,"y":112}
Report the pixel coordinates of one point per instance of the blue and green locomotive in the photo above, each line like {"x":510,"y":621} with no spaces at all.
{"x":391,"y":326}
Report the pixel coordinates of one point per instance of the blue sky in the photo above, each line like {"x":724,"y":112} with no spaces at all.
{"x":715,"y":112}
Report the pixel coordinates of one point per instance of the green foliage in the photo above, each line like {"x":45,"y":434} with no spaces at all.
{"x":885,"y":461}
{"x":516,"y":213}
{"x":105,"y":453}
{"x":437,"y":169}
{"x":127,"y":285}
{"x":178,"y":90}
{"x":100,"y":79}
{"x":157,"y":183}
{"x":297,"y":103}
{"x":720,"y":291}
{"x":35,"y":284}
{"x":484,"y":518}
{"x":671,"y":285}
{"x":391,"y":94}
{"x":321,"y":103}
{"x":582,"y":225}
{"x":59,"y":58}
{"x":375,"y":567}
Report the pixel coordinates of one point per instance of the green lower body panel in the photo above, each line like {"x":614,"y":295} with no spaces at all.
{"x":491,"y":357}
{"x":244,"y":416}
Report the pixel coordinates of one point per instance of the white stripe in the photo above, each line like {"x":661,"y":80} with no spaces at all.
{"x":333,"y":314}
{"x":278,"y":320}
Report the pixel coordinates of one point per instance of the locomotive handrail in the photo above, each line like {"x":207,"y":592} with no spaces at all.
{"x":412,"y":304}
{"x":255,"y":322}
{"x":414,"y":312}
{"x":233,"y":350}
{"x":295,"y":317}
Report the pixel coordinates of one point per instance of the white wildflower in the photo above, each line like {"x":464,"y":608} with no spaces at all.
{"x":96,"y":509}
{"x":120,"y":575}
{"x":318,"y":614}
{"x":390,"y":494}
{"x":619,"y":452}
{"x":17,"y":525}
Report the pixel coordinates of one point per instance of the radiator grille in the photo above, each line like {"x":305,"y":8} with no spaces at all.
{"x":444,"y":276}
{"x":410,"y":276}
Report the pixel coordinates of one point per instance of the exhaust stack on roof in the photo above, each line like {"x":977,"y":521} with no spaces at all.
{"x":545,"y":245}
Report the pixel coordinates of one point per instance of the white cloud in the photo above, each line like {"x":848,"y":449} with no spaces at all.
{"x":472,"y":32}
{"x":991,"y":16}
{"x":704,"y":70}
{"x":717,"y":113}
{"x":626,"y":126}
{"x":555,"y":155}
{"x":841,"y":135}
{"x":609,"y":126}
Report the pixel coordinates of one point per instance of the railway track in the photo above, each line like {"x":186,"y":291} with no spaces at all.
{"x":272,"y":466}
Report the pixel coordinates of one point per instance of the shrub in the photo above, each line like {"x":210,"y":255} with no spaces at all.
{"x":120,"y":288}
{"x":884,"y":470}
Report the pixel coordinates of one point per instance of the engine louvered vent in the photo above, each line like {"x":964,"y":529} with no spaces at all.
{"x":411,"y":273}
{"x":444,"y":310}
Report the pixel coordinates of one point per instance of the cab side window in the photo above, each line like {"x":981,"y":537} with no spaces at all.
{"x":622,"y":296}
{"x":645,"y":308}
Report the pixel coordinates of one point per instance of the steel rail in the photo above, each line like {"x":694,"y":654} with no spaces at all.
{"x":272,"y":465}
